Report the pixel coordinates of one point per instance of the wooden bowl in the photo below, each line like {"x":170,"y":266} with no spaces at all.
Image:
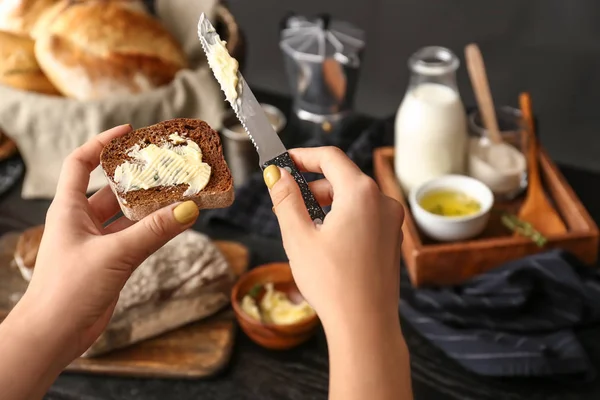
{"x":272,"y":336}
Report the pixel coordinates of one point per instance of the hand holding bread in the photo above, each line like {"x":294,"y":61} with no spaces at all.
{"x":82,"y":282}
{"x":182,"y":151}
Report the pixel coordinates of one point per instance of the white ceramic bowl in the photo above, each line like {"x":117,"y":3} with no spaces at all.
{"x":450,"y":229}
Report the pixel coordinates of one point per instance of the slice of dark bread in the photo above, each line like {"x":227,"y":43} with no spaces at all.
{"x":137,"y":204}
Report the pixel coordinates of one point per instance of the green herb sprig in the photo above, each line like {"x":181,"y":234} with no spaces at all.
{"x":255,"y":291}
{"x":523,"y":228}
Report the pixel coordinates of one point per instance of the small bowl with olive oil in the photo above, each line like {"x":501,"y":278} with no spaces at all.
{"x":452,"y":207}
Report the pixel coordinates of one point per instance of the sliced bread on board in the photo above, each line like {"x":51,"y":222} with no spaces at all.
{"x":138,"y":203}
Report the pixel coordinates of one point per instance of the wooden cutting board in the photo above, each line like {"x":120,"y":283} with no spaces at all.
{"x":197,"y":350}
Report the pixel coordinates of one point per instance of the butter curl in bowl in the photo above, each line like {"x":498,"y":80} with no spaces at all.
{"x":270,"y":308}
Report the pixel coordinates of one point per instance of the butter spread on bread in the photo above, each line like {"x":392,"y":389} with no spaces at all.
{"x":176,"y":161}
{"x":171,"y":186}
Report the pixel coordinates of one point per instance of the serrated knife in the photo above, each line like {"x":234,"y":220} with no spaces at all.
{"x":248,"y":110}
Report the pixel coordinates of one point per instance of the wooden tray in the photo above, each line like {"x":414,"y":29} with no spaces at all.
{"x":435,"y":263}
{"x":197,"y":350}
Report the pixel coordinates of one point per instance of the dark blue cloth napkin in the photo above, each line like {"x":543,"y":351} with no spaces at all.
{"x":516,"y":320}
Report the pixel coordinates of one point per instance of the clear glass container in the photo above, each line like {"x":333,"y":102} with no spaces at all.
{"x":431,"y":123}
{"x":510,"y":180}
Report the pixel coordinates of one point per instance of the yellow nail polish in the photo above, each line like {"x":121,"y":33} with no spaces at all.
{"x":271,"y":175}
{"x":186,"y":212}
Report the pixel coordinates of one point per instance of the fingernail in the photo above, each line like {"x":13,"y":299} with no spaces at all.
{"x":128,"y":125}
{"x":271,"y":175}
{"x":273,"y":209}
{"x":186,"y":212}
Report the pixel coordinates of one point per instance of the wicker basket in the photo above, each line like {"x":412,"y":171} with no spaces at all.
{"x":228,"y":29}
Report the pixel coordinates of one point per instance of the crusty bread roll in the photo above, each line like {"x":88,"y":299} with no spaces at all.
{"x":187,"y":280}
{"x":27,"y":250}
{"x":19,"y":68}
{"x":44,"y":20}
{"x":95,"y":49}
{"x":19,"y":16}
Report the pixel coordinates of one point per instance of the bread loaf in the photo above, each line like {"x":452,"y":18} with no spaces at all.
{"x":45,"y":19}
{"x":18,"y":67}
{"x":136,"y":204}
{"x":188,"y":279}
{"x":27,"y":250}
{"x":19,"y":16}
{"x":94,"y":49}
{"x":185,"y":281}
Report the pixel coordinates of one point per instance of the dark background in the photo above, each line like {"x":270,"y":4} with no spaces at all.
{"x":548,"y":47}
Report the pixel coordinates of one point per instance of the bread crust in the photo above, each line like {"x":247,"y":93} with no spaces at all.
{"x":19,"y":68}
{"x":93,"y":49}
{"x":19,"y":16}
{"x":137,"y":204}
{"x":27,"y":249}
{"x":22,"y":16}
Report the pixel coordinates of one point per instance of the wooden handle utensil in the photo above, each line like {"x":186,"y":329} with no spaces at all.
{"x":481,"y":87}
{"x":536,"y":210}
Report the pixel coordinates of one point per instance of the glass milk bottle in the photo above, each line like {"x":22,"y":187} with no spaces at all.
{"x":431,"y":126}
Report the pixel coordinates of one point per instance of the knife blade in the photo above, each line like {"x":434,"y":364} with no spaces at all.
{"x":250,"y":113}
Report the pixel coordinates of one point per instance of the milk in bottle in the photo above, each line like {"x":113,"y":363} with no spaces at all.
{"x":431,"y":127}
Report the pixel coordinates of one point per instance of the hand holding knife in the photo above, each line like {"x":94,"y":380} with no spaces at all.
{"x":248,"y":110}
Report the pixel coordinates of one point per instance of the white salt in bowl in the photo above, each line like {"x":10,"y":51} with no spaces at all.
{"x":451,"y":229}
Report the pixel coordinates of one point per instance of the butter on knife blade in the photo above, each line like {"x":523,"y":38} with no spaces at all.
{"x":224,"y":67}
{"x":250,"y":113}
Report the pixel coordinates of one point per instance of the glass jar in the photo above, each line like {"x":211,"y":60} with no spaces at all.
{"x":431,"y":123}
{"x":506,"y":177}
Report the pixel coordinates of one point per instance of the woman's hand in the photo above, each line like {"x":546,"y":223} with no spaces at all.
{"x":348,"y":269}
{"x":82,"y":265}
{"x":351,"y":263}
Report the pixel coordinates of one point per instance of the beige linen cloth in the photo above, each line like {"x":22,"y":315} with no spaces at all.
{"x":46,"y":129}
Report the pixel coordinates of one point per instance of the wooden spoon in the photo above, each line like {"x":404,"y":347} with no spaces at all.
{"x":481,"y":87}
{"x":536,"y":209}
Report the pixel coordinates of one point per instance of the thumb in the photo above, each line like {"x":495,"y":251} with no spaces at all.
{"x":151,"y":233}
{"x":288,"y":204}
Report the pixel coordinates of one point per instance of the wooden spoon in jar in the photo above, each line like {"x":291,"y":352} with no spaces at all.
{"x":481,"y":87}
{"x":536,"y":208}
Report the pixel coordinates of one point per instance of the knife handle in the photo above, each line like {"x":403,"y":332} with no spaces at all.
{"x":314,"y":209}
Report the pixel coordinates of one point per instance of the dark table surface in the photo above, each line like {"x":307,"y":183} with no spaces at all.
{"x":255,"y":373}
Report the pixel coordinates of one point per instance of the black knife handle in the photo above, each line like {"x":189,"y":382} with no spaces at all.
{"x":314,"y":209}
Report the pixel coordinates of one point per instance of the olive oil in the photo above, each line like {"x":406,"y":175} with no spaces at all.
{"x":449,"y":203}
